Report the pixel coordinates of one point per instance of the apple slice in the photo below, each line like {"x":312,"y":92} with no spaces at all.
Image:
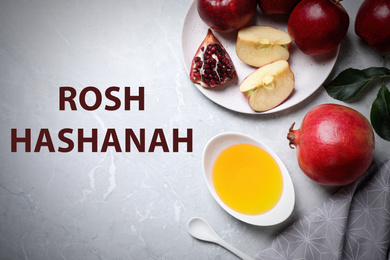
{"x":259,"y":45}
{"x":268,"y":86}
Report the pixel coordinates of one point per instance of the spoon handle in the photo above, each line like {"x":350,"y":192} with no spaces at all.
{"x":234,"y":250}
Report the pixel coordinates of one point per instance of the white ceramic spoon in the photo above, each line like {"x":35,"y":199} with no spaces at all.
{"x":202,"y":230}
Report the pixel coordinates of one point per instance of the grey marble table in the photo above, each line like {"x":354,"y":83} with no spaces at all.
{"x":126,"y":205}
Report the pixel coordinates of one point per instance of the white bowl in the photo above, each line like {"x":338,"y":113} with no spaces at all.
{"x":283,"y":208}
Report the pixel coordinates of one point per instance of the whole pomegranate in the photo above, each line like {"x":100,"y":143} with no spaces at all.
{"x":335,"y":144}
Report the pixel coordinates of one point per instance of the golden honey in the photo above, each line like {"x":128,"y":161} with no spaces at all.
{"x":247,"y":179}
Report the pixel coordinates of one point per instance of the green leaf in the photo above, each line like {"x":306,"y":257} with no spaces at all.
{"x":350,"y":82}
{"x":380,"y":113}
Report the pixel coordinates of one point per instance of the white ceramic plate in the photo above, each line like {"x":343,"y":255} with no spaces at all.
{"x":286,"y":203}
{"x":309,"y":71}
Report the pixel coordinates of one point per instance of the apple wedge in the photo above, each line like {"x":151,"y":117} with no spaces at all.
{"x":259,"y":45}
{"x":268,"y":86}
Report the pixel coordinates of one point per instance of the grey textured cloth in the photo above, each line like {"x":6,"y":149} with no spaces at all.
{"x":354,"y":223}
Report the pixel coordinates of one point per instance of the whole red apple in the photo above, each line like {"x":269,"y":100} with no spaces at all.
{"x":277,"y":6}
{"x":372,"y":24}
{"x":318,"y":26}
{"x":226,"y":15}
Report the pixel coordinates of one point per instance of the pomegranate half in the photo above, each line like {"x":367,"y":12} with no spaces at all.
{"x":335,"y":144}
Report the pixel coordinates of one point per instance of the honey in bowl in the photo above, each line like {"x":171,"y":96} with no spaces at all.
{"x":247,"y":179}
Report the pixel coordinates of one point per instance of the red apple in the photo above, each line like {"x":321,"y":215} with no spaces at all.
{"x":372,"y":24}
{"x":226,"y":15}
{"x":318,"y":26}
{"x":277,"y":6}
